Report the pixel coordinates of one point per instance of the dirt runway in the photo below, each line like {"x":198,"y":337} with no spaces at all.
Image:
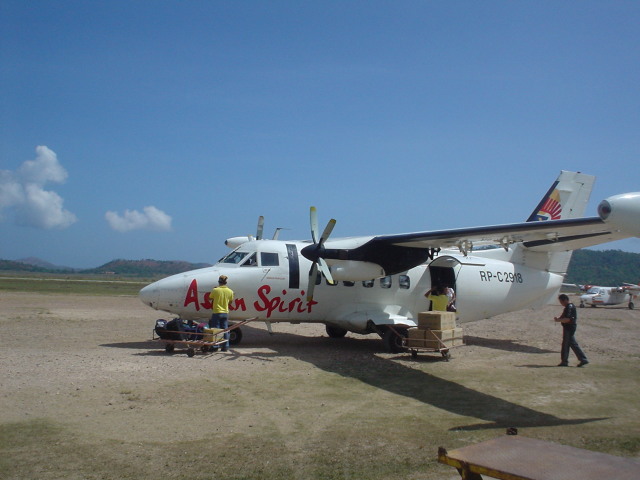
{"x":86,"y":394}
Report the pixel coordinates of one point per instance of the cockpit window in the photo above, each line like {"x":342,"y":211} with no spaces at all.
{"x":269,"y":259}
{"x":234,"y":257}
{"x":252,"y":261}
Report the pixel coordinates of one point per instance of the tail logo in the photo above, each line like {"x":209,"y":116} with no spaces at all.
{"x":551,"y":209}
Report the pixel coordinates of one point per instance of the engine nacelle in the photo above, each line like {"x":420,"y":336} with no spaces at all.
{"x":354,"y":271}
{"x":235,"y":242}
{"x":622,"y":212}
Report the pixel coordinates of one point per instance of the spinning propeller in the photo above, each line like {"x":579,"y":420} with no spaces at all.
{"x":314,"y":252}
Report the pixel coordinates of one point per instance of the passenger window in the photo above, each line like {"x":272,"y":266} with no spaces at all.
{"x":348,"y":284}
{"x":385,"y":282}
{"x":368,"y":283}
{"x":269,"y":259}
{"x":251,"y":261}
{"x":404,"y":281}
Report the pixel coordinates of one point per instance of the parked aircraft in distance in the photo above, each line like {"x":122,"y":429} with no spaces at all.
{"x":596,"y":295}
{"x":371,"y":283}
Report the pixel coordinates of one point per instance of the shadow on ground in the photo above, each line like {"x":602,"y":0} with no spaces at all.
{"x":356,"y":358}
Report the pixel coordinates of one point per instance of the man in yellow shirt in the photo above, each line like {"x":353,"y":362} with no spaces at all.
{"x":438,"y":297}
{"x":221,"y":296}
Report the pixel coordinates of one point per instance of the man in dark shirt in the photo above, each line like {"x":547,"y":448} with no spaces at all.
{"x":568,"y":320}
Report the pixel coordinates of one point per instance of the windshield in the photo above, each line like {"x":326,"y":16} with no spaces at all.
{"x":593,"y":291}
{"x":234,"y":257}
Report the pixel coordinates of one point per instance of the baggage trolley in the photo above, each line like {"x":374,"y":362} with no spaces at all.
{"x":205,"y":341}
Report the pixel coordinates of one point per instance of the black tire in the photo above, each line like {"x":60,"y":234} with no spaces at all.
{"x":235,"y":336}
{"x":446,"y":355}
{"x":631,"y":305}
{"x":335,"y":332}
{"x":169,"y":347}
{"x":191,"y":351}
{"x":393,"y":341}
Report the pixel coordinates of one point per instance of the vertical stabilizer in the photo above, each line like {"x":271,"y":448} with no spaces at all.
{"x":567,"y":198}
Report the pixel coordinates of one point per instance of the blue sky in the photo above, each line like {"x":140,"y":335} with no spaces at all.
{"x":157,"y":129}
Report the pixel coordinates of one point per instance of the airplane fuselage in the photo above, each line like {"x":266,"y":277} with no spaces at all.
{"x":269,"y":280}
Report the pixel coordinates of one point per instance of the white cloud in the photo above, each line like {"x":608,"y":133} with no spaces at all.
{"x":150,"y":218}
{"x":22,"y":192}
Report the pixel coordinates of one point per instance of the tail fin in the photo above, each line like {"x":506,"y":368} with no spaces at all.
{"x":567,"y":198}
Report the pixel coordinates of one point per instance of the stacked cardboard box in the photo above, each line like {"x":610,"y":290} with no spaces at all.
{"x":435,"y":330}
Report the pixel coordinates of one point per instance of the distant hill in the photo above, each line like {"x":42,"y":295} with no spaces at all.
{"x":603,"y":267}
{"x":130,"y":268}
{"x":145,"y":268}
{"x":38,"y":262}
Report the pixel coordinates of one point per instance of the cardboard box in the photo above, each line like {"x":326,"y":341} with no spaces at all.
{"x":416,"y":333}
{"x":437,"y":320}
{"x":210,"y":335}
{"x":416,"y":343}
{"x":443,"y":335}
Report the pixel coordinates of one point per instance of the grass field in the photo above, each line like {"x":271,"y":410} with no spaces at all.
{"x":72,"y":285}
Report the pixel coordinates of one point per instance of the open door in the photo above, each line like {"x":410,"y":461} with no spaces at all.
{"x":444,"y":271}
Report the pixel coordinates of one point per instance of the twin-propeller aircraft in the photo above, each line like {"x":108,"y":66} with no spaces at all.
{"x":368,"y":284}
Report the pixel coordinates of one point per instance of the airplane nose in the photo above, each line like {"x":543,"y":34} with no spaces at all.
{"x":149,"y":295}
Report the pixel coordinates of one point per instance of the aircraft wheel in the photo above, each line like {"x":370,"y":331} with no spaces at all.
{"x":393,"y":342}
{"x":581,"y":305}
{"x":235,"y":336}
{"x":631,"y":305}
{"x":169,"y":347}
{"x":446,"y":355}
{"x":191,"y":351}
{"x":335,"y":332}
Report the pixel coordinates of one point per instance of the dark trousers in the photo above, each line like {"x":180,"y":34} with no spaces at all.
{"x":569,"y":341}
{"x":221,"y":320}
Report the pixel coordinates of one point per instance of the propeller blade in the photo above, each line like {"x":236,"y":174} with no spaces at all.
{"x":313,"y":215}
{"x":260,"y":228}
{"x":313,"y":273}
{"x":313,"y":252}
{"x":326,"y":271}
{"x":327,"y":231}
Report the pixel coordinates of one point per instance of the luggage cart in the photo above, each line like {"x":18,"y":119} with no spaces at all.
{"x":433,"y":344}
{"x":196,"y":340}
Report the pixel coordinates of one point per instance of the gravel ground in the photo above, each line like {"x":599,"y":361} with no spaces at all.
{"x":87,"y":364}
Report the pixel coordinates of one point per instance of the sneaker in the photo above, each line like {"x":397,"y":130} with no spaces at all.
{"x":583,"y":363}
{"x":562,"y":364}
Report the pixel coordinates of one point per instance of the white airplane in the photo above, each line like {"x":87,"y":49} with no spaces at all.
{"x":373,"y":282}
{"x":596,"y":295}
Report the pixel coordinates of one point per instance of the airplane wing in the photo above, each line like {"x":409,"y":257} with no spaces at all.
{"x":552,"y":235}
{"x":399,"y":252}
